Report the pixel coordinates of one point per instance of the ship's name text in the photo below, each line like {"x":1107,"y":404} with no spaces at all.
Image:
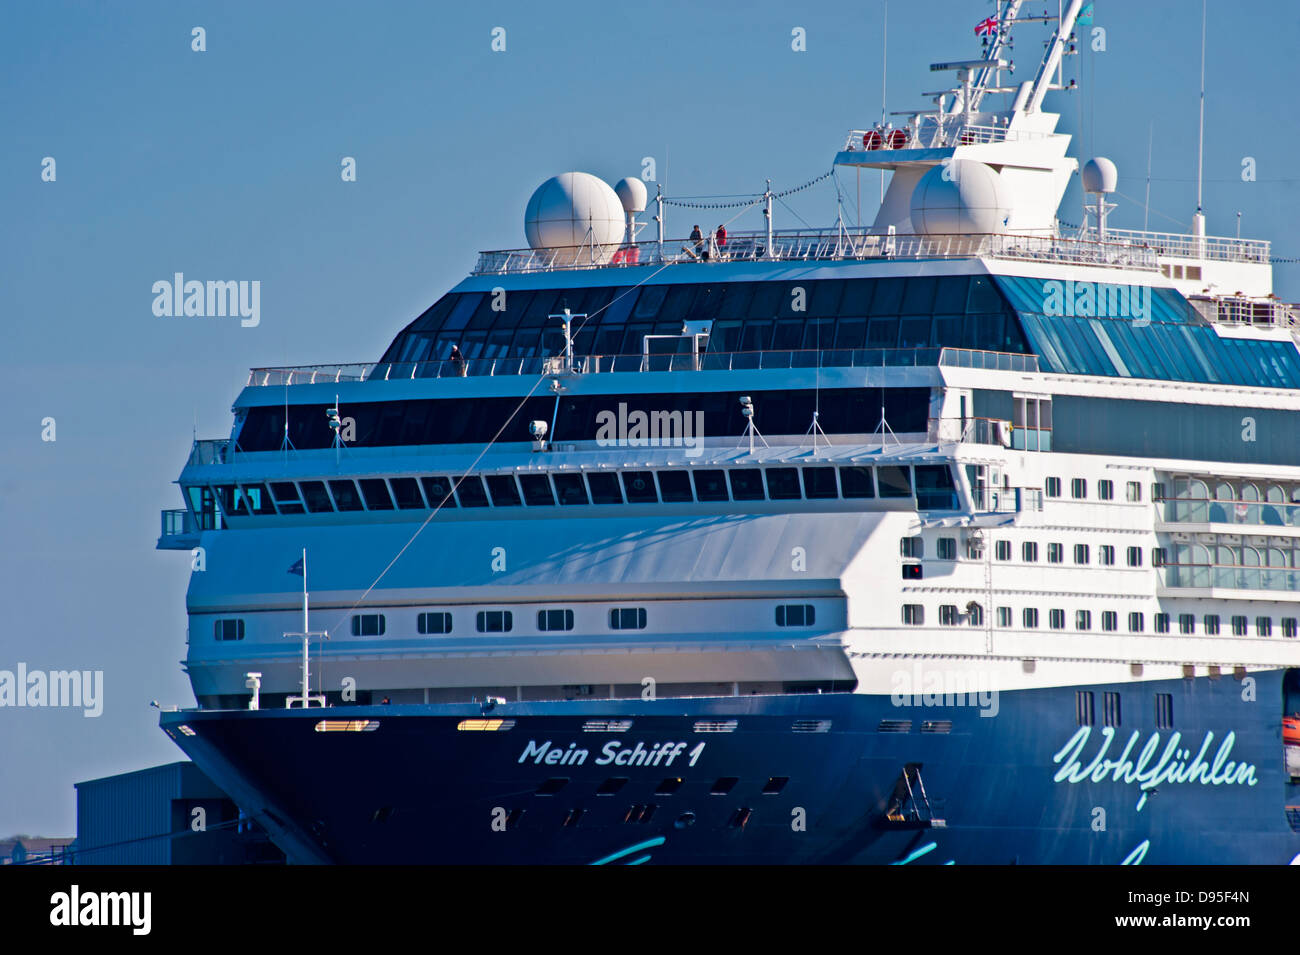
{"x":612,"y":753}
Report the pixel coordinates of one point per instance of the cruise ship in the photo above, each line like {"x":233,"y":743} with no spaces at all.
{"x":969,"y":536}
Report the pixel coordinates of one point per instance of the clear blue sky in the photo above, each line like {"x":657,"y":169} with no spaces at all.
{"x":225,"y":165}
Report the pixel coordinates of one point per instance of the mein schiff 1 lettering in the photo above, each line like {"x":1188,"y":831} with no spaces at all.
{"x":612,"y":753}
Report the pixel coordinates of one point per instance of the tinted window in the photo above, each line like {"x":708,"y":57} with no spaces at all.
{"x":537,"y":490}
{"x":469,"y":491}
{"x":376,"y":494}
{"x":407,"y":492}
{"x":934,"y":487}
{"x":857,"y":482}
{"x":675,"y":486}
{"x":345,"y":494}
{"x":783,"y":484}
{"x":894,"y":482}
{"x":710,"y":485}
{"x":436,"y":489}
{"x":318,"y":501}
{"x":640,"y":487}
{"x":604,"y":488}
{"x":571,"y":488}
{"x":746,"y":484}
{"x":819,"y":483}
{"x":504,"y":491}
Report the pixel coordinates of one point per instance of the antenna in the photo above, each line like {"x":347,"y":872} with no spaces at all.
{"x":884,"y":80}
{"x":306,"y":699}
{"x":1146,"y":206}
{"x":1198,"y":221}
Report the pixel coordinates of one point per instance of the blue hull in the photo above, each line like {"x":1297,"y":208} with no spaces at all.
{"x":1028,"y":785}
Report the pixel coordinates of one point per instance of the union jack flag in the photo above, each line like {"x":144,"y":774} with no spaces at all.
{"x":987,"y":27}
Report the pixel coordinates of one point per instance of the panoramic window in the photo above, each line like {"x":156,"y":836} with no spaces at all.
{"x":570,"y":488}
{"x":537,"y":490}
{"x":675,"y":486}
{"x":819,"y":483}
{"x":504,"y":491}
{"x":857,"y":482}
{"x":640,"y":487}
{"x":604,"y":488}
{"x":783,"y":484}
{"x":710,"y":485}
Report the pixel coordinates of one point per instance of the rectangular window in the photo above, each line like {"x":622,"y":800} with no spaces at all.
{"x":627,"y":618}
{"x":639,"y":486}
{"x":1134,"y":493}
{"x":1263,"y":626}
{"x":1029,"y":552}
{"x":228,"y":629}
{"x":345,"y":494}
{"x":1111,"y":709}
{"x":368,"y":625}
{"x":1136,"y":622}
{"x":1164,"y":711}
{"x":1187,"y":623}
{"x":948,"y":616}
{"x":549,"y":620}
{"x":947,"y":548}
{"x":819,"y":483}
{"x":495,"y":621}
{"x":1030,"y":617}
{"x":795,"y":615}
{"x":1003,"y":550}
{"x":605,"y":489}
{"x":1053,"y":487}
{"x":437,"y":490}
{"x":1078,"y":489}
{"x":1106,"y":490}
{"x":913,"y":615}
{"x":1135,"y":556}
{"x":1083,"y":620}
{"x":406,"y":490}
{"x":1083,"y":708}
{"x":1161,"y":623}
{"x":1288,"y":626}
{"x":286,"y":497}
{"x":537,"y":490}
{"x":1109,"y":621}
{"x":375,"y":491}
{"x":435,"y":622}
{"x":894,"y":482}
{"x":1081,"y":553}
{"x":1211,"y":623}
{"x":469,"y":490}
{"x":1055,"y":553}
{"x":572,"y":490}
{"x":504,"y":491}
{"x":1056,"y":619}
{"x":783,"y":484}
{"x":1157,"y":491}
{"x":675,"y":486}
{"x":1238,"y":626}
{"x":855,"y":482}
{"x":1106,"y":555}
{"x":912,"y":572}
{"x":746,"y":484}
{"x":1004,"y":616}
{"x":710,"y":485}
{"x":317,"y":498}
{"x":912,"y":547}
{"x":1159,"y":556}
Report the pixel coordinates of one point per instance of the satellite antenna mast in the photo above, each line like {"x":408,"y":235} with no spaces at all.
{"x":306,"y":699}
{"x":1198,"y":221}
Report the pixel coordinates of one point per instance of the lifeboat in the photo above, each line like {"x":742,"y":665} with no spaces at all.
{"x":1291,"y":730}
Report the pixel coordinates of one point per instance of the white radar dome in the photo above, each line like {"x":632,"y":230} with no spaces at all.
{"x":575,"y":210}
{"x":1100,"y":175}
{"x":632,"y":193}
{"x":961,"y":197}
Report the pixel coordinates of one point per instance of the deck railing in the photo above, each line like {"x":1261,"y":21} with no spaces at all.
{"x":687,"y":361}
{"x":821,"y":245}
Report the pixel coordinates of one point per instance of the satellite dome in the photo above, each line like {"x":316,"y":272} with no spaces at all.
{"x":960,"y":197}
{"x":575,"y":209}
{"x":1100,"y":175}
{"x":631,"y":192}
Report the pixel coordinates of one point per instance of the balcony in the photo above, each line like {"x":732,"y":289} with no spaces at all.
{"x":178,"y":530}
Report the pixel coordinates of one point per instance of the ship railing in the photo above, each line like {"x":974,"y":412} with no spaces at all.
{"x":1185,"y":246}
{"x":213,"y":451}
{"x":1256,"y":313}
{"x":1231,"y":577}
{"x":994,"y":431}
{"x":1227,"y":511}
{"x":931,"y":135}
{"x":842,"y":244}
